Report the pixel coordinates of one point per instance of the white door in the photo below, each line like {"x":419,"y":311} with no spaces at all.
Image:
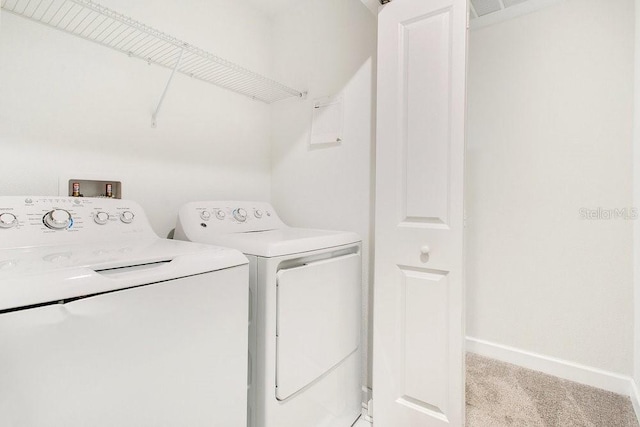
{"x":317,"y":325}
{"x":418,"y":353}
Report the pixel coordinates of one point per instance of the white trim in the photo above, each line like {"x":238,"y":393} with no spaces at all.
{"x":565,"y":369}
{"x":635,"y":398}
{"x":510,"y":12}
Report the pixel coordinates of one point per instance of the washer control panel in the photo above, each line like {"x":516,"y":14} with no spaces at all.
{"x":32,"y":220}
{"x":229,"y":216}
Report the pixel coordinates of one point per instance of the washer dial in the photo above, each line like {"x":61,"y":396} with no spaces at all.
{"x":220,"y":214}
{"x":206,"y":215}
{"x":8,"y":220}
{"x":58,"y":219}
{"x":257,"y":213}
{"x":101,"y":218}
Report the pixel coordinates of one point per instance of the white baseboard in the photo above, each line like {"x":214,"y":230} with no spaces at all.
{"x":635,"y":398}
{"x":565,"y":369}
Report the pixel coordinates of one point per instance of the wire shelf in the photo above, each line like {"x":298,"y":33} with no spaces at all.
{"x":96,"y":23}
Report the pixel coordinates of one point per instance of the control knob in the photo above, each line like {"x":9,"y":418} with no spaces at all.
{"x":220,"y":214}
{"x":5,"y":265}
{"x":58,"y":219}
{"x":8,"y":220}
{"x":205,"y":215}
{"x":258,"y":213}
{"x":127,"y":217}
{"x":101,"y":218}
{"x":240,"y":215}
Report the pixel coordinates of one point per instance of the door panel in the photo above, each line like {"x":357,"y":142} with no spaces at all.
{"x":418,"y":359}
{"x":318,"y":320}
{"x":425,"y":115}
{"x":424,"y":298}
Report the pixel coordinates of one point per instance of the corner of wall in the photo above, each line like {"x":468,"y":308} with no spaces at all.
{"x":636,"y":202}
{"x":372,"y":5}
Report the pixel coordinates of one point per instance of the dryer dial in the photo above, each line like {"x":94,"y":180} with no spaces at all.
{"x":240,"y":215}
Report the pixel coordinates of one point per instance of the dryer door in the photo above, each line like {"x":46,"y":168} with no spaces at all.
{"x":318,"y":320}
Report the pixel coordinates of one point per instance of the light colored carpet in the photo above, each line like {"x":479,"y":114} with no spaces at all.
{"x":501,"y":395}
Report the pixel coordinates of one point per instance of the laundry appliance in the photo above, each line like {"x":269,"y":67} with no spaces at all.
{"x":304,"y":333}
{"x":102,"y":323}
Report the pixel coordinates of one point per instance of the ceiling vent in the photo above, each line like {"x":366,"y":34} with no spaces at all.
{"x":489,"y":12}
{"x":509,"y":3}
{"x":485,"y":7}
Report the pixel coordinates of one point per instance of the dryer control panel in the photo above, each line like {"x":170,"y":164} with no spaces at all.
{"x":229,"y":216}
{"x":43,"y":220}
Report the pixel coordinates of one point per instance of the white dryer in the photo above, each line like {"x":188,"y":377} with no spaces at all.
{"x":305,"y":328}
{"x":102,"y":323}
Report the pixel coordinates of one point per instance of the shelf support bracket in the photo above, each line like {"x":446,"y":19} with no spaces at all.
{"x":154,"y":117}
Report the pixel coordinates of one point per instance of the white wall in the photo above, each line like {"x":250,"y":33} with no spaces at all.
{"x":70,"y":107}
{"x":549,"y":133}
{"x":636,"y":200}
{"x":326,"y":47}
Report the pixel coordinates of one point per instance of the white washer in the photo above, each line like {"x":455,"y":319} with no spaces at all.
{"x":305,"y":335}
{"x":102,"y":323}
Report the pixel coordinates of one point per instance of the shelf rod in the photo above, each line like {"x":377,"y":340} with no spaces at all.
{"x":106,"y":27}
{"x":154,"y":122}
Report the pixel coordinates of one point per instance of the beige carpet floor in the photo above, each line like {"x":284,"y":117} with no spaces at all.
{"x":500,"y":395}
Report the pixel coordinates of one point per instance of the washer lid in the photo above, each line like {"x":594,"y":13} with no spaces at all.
{"x":283,"y":241}
{"x":37,"y":275}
